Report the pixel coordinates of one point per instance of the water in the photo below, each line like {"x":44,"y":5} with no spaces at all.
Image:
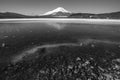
{"x":22,"y":37}
{"x":17,"y":36}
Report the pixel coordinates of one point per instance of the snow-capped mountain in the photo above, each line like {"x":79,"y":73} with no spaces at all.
{"x":58,"y":12}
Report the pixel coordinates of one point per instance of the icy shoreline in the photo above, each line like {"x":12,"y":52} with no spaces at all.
{"x":62,"y":20}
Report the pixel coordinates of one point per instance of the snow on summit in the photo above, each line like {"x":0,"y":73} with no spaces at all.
{"x":59,"y":9}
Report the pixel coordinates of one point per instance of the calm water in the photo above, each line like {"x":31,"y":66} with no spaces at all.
{"x":18,"y":36}
{"x":35,"y":50}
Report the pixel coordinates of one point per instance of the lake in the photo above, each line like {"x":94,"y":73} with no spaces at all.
{"x":19,"y":38}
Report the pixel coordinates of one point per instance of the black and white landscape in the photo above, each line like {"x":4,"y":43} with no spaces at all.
{"x":62,"y":13}
{"x":81,"y":42}
{"x":59,"y":50}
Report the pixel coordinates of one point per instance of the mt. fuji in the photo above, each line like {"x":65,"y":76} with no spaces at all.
{"x":58,"y":12}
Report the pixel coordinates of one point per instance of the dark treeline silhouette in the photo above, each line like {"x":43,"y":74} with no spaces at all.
{"x":113,"y":15}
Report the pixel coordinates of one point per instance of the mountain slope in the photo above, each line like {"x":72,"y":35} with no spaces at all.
{"x":113,"y":15}
{"x":11,"y":15}
{"x":61,"y":13}
{"x":58,"y":12}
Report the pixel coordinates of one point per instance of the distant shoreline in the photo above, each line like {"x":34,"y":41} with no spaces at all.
{"x":56,"y":19}
{"x":62,"y":20}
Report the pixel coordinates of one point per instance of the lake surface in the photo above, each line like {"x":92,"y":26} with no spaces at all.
{"x":18,"y":37}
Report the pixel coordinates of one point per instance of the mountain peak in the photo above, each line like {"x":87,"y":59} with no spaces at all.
{"x":59,"y":9}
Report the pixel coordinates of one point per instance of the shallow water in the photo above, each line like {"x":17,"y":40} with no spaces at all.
{"x":34,"y":46}
{"x":17,"y":36}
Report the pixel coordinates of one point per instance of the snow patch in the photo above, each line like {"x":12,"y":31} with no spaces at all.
{"x":59,"y":9}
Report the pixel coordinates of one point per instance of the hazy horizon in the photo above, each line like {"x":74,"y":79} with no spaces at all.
{"x":38,"y":7}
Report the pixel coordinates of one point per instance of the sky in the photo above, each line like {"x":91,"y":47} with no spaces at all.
{"x":38,"y":7}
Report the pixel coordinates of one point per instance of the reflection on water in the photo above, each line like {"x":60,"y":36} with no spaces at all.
{"x":15,"y":37}
{"x":95,"y":44}
{"x":58,"y":25}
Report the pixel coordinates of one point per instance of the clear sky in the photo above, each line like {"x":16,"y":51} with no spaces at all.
{"x":37,"y":7}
